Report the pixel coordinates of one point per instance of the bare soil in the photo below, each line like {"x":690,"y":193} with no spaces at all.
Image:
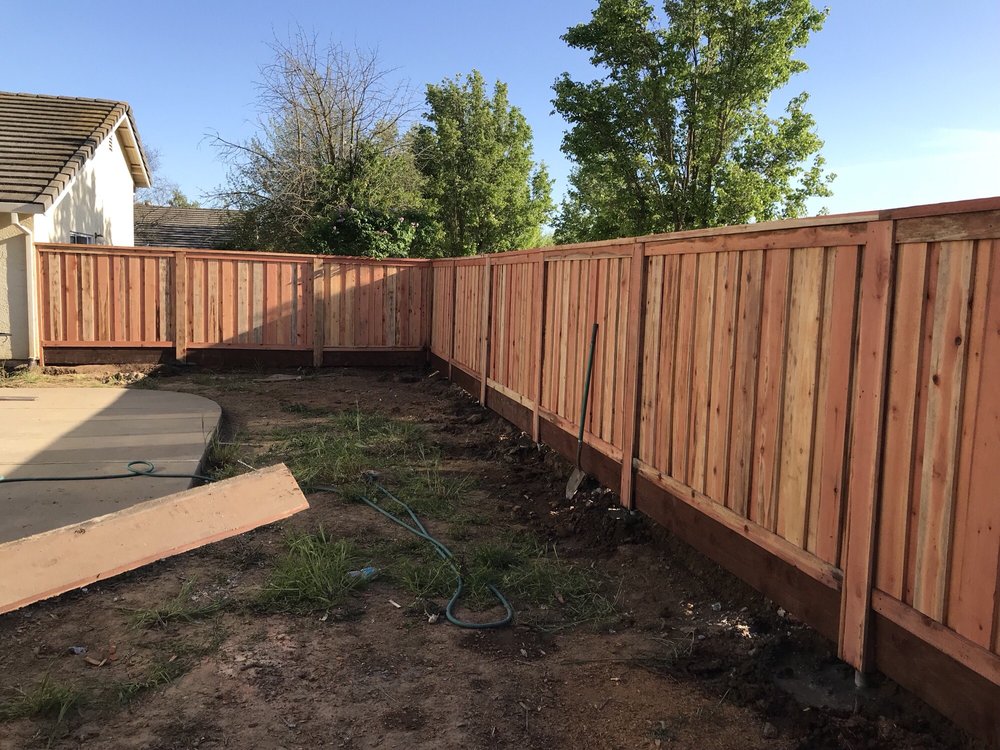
{"x":693,"y":659}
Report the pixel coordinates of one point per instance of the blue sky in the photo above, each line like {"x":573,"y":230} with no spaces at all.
{"x":905,"y":92}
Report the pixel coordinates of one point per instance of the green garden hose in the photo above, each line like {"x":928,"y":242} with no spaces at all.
{"x":419,"y":530}
{"x":148,"y":469}
{"x":135,"y":469}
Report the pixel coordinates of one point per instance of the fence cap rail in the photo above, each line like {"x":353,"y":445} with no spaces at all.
{"x":194,"y":253}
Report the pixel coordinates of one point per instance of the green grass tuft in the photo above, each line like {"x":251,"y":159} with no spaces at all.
{"x":313,"y":575}
{"x":161,"y":672}
{"x":182,"y":608}
{"x":222,"y":460}
{"x":46,"y":699}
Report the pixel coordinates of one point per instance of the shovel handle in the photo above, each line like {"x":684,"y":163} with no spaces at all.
{"x":586,"y":394}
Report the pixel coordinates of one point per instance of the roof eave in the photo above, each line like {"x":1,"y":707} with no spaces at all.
{"x":134,"y":152}
{"x":22,"y":208}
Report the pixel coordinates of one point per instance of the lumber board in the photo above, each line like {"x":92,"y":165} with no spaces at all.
{"x":53,"y":562}
{"x":633,"y":357}
{"x":770,"y":379}
{"x":866,"y":436}
{"x":938,"y":478}
{"x":833,"y":404}
{"x":799,"y":407}
{"x":975,"y":560}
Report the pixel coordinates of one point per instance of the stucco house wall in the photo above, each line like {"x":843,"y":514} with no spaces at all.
{"x":98,"y":201}
{"x":13,"y":304}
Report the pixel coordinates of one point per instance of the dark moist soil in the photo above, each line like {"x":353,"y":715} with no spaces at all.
{"x":695,"y":659}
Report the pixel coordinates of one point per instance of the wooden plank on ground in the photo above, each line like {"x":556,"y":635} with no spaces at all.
{"x":53,"y":562}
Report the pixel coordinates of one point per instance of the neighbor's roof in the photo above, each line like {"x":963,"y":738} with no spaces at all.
{"x":166,"y":226}
{"x":45,"y":140}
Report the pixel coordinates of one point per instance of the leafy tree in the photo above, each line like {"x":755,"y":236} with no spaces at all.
{"x":485,"y":192}
{"x":328,"y":146}
{"x":676,"y":134}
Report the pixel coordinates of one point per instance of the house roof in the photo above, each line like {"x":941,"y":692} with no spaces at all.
{"x":46,"y":140}
{"x":166,"y":226}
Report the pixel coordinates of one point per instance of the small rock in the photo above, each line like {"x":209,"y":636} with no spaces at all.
{"x":717,"y":606}
{"x":476,"y":418}
{"x":770,"y":731}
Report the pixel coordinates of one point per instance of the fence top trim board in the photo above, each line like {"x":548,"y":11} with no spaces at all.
{"x":662,"y":241}
{"x":250,"y":255}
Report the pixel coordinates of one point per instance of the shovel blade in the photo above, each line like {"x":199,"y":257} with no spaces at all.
{"x":575,"y":480}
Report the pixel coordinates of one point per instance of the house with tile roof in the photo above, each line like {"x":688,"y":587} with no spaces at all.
{"x":176,"y":226}
{"x":69,"y":168}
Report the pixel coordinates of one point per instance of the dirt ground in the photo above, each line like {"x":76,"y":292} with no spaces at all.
{"x":691,"y":658}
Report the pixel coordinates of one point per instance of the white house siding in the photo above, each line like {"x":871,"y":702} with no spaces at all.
{"x":98,"y":201}
{"x":13,"y":304}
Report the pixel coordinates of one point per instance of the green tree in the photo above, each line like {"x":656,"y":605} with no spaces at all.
{"x":330,"y":168}
{"x":179,"y":200}
{"x":484,"y":191}
{"x":676,"y":134}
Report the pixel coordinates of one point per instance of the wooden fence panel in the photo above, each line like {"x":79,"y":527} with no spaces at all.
{"x":442,"y":323}
{"x":745,"y":383}
{"x":128,"y":297}
{"x":92,"y":296}
{"x":470,"y":285}
{"x":939,"y":530}
{"x":512,"y":367}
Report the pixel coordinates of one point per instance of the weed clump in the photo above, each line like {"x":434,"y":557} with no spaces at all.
{"x":45,"y":699}
{"x":314,"y":575}
{"x":182,"y":608}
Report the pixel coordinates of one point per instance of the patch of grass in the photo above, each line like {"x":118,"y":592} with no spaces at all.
{"x":313,"y":575}
{"x":304,"y":410}
{"x":222,"y":459}
{"x":336,"y":450}
{"x":19,"y":378}
{"x":161,"y":672}
{"x":546,"y":591}
{"x":182,"y":608}
{"x":430,"y":491}
{"x":45,"y":699}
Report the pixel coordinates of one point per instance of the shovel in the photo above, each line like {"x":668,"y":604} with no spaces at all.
{"x":578,"y":475}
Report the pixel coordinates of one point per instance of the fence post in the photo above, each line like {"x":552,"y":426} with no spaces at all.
{"x":180,"y":306}
{"x":319,"y":310}
{"x":487,"y":300}
{"x":451,"y":318}
{"x":633,"y":360}
{"x":874,"y":313}
{"x":427,"y":307}
{"x":539,"y":344}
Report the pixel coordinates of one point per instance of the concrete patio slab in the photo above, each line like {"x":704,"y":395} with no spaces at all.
{"x":66,"y":432}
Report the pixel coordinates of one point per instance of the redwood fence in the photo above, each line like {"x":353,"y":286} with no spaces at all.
{"x":812,"y":403}
{"x":191,"y":301}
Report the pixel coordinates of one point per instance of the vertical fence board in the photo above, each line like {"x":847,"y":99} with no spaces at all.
{"x":720,"y":392}
{"x":937,"y":482}
{"x":799,"y":402}
{"x":975,"y":560}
